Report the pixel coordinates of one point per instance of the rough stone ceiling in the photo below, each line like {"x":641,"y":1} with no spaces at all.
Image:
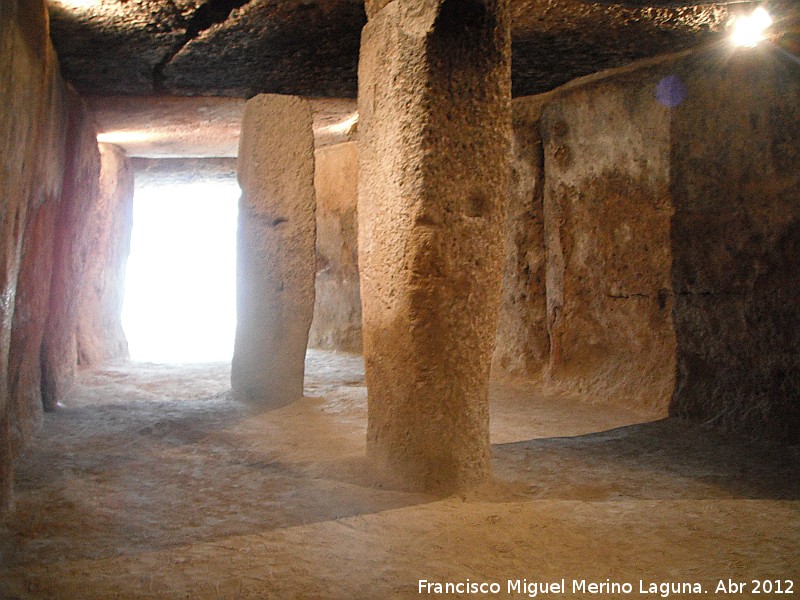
{"x":310,"y":47}
{"x":165,"y":53}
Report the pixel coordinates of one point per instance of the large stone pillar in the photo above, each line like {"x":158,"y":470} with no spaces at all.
{"x":435,"y":125}
{"x":276,"y":262}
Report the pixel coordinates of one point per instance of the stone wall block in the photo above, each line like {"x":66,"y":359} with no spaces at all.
{"x":100,"y":334}
{"x":30,"y":142}
{"x":72,"y":249}
{"x":607,"y":216}
{"x":36,"y":263}
{"x":522,"y":345}
{"x":735,"y":244}
{"x":337,"y":312}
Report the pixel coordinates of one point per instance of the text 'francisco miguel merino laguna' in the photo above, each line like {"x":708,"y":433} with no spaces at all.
{"x":533,"y":589}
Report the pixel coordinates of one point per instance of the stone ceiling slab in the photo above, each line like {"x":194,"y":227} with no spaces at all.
{"x":200,"y":127}
{"x":310,"y":47}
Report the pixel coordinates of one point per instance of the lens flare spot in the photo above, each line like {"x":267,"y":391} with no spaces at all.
{"x":671,"y":91}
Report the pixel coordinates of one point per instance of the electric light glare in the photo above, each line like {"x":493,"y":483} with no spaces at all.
{"x":749,"y":30}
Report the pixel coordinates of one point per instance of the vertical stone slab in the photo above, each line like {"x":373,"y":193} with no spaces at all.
{"x":607,"y":213}
{"x":276,"y":262}
{"x":735,"y":242}
{"x":522,"y":345}
{"x":434,"y":131}
{"x":100,"y":334}
{"x":25,"y":56}
{"x":36,"y":264}
{"x":337,"y":311}
{"x":71,"y":254}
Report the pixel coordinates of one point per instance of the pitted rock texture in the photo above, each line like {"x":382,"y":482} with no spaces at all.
{"x":245,"y":47}
{"x":434,"y":141}
{"x":217,"y":47}
{"x":275,"y":263}
{"x":296,"y":47}
{"x":100,"y":334}
{"x":337,"y":312}
{"x":556,"y":42}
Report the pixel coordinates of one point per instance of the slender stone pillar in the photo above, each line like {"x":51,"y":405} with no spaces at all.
{"x":276,"y":262}
{"x":434,"y":130}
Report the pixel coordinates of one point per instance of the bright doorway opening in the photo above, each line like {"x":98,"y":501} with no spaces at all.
{"x":180,"y":284}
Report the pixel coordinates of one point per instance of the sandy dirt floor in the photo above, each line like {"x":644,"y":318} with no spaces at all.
{"x":152,"y":483}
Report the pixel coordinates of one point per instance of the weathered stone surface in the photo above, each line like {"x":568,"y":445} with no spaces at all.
{"x":337,"y":312}
{"x":111,"y":47}
{"x":735,"y":243}
{"x":241,"y":47}
{"x":671,"y":221}
{"x":227,"y":48}
{"x":71,"y":254}
{"x":294,"y":47}
{"x":607,"y":217}
{"x":556,"y":42}
{"x":30,"y":315}
{"x":276,"y":260}
{"x":335,"y":121}
{"x":522,"y":344}
{"x":373,"y":7}
{"x":434,"y":129}
{"x":30,"y":117}
{"x":108,"y":235}
{"x":21,"y":65}
{"x":33,"y":284}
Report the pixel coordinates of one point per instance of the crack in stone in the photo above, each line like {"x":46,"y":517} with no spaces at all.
{"x":206,"y":16}
{"x":672,"y":4}
{"x":677,"y":294}
{"x":623,"y":296}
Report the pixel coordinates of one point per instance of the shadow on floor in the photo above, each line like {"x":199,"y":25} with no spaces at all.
{"x":140,"y":462}
{"x":115,"y":477}
{"x":666,"y":459}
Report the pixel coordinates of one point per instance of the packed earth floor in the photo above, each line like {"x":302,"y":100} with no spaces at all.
{"x":151,"y":482}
